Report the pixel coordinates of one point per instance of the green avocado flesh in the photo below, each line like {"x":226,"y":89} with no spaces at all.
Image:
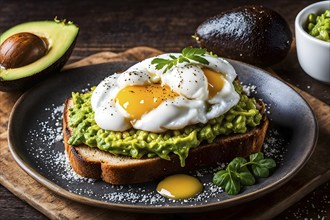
{"x":60,"y":36}
{"x":138,"y":143}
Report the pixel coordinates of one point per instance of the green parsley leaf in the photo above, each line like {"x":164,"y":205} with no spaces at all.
{"x":160,"y":63}
{"x":199,"y":59}
{"x":188,"y":53}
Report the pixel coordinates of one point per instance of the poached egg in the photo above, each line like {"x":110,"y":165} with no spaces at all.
{"x":150,"y":99}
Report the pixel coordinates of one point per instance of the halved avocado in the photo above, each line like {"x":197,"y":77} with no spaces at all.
{"x":60,"y":37}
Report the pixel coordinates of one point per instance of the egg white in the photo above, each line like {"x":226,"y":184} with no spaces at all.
{"x":192,"y":106}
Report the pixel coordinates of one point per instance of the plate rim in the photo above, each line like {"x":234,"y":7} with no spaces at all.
{"x":157,"y":209}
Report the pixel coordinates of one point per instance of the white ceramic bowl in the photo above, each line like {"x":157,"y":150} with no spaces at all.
{"x":313,"y":54}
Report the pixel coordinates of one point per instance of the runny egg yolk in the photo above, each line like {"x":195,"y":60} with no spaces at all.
{"x":215,"y":81}
{"x":179,"y":186}
{"x":140,"y":99}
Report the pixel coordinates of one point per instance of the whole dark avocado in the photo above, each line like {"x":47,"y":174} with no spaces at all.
{"x":252,"y":34}
{"x":32,"y":51}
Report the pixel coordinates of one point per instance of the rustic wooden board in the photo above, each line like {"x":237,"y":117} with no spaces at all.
{"x":316,"y":171}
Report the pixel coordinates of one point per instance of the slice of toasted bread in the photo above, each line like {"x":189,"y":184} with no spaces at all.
{"x":94,"y":163}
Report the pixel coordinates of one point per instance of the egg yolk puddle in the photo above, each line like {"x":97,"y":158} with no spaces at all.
{"x":138,"y":100}
{"x":215,"y":81}
{"x":179,"y":186}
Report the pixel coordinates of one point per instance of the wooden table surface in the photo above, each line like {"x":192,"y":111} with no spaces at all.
{"x":165,"y":25}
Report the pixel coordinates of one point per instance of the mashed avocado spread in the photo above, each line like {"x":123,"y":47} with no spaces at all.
{"x":138,"y":143}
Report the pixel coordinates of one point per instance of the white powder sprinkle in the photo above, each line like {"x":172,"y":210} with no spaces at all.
{"x":249,"y":89}
{"x":306,"y":209}
{"x":47,"y":149}
{"x":274,"y":146}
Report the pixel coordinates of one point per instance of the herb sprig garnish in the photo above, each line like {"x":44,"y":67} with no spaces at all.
{"x":238,"y":173}
{"x":188,"y":53}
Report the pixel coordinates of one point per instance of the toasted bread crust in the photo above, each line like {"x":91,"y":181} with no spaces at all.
{"x":129,"y":170}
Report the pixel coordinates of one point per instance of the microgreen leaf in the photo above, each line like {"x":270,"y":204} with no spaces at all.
{"x":260,"y":166}
{"x":268,"y":163}
{"x":233,"y":186}
{"x":246,"y":178}
{"x":236,"y":164}
{"x":260,"y":171}
{"x":238,"y":174}
{"x":256,"y":157}
{"x":228,"y":181}
{"x":221,"y":178}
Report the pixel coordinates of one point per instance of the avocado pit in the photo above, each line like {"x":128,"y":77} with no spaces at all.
{"x":30,"y":52}
{"x":22,"y":49}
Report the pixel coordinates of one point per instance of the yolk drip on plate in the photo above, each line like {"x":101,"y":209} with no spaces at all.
{"x":140,"y":99}
{"x":179,"y":186}
{"x":215,"y":81}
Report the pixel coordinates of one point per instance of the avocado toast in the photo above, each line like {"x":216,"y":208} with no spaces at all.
{"x":115,"y":169}
{"x":94,"y":163}
{"x":199,"y":117}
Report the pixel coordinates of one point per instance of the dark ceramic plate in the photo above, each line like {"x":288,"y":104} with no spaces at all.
{"x":35,"y":143}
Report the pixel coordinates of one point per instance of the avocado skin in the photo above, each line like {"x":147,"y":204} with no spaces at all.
{"x":252,"y":34}
{"x":23,"y":84}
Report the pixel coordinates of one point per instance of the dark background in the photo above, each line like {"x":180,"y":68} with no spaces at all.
{"x":165,"y":25}
{"x":168,"y":26}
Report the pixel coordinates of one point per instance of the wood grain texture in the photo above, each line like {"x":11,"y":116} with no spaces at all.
{"x":18,"y":209}
{"x":133,"y":54}
{"x":55,"y":207}
{"x":166,"y":25}
{"x":29,"y":190}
